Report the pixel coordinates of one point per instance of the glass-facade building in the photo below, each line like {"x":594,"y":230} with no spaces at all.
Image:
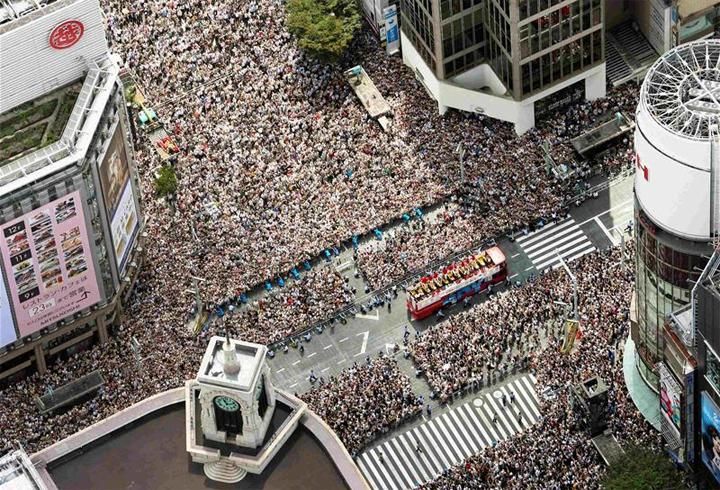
{"x":667,"y":267}
{"x":531,"y":45}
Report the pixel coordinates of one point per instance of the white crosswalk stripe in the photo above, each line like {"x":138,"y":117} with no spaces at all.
{"x":566,"y":238}
{"x":418,"y":455}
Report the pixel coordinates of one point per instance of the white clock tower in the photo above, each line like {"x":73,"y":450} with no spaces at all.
{"x":236,"y":406}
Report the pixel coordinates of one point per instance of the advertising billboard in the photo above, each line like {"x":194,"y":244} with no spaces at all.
{"x":670,"y":391}
{"x":7,"y":326}
{"x":119,"y":197}
{"x":392,"y":31}
{"x":49,"y":264}
{"x":710,"y":426}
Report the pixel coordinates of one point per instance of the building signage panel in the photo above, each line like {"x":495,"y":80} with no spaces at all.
{"x":66,"y":34}
{"x":710,"y":430}
{"x":49,"y":264}
{"x":7,"y":326}
{"x":119,"y":197}
{"x":392,"y":32}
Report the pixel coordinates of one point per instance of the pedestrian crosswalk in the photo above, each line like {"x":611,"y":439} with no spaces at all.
{"x":565,"y":238}
{"x":421,"y":454}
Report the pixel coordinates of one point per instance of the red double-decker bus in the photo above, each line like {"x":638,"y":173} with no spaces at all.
{"x":465,"y":277}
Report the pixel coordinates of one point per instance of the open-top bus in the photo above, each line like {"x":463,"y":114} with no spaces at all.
{"x":465,"y":277}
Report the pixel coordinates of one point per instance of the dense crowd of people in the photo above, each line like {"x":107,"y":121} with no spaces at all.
{"x":556,"y":452}
{"x":364,"y":401}
{"x":277,"y":162}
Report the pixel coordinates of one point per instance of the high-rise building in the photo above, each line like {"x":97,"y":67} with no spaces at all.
{"x":499,"y":57}
{"x":70,"y":217}
{"x":676,"y":189}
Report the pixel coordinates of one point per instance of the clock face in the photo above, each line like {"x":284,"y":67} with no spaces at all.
{"x":226,"y":403}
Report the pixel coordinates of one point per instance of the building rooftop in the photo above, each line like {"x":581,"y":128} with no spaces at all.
{"x":28,"y":154}
{"x":213,"y":366}
{"x":151,"y":454}
{"x":682,"y":89}
{"x":36,"y":124}
{"x":18,"y":473}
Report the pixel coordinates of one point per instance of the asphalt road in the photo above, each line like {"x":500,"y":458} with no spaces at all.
{"x":595,"y":225}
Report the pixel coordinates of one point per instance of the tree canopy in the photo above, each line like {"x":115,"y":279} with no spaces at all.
{"x":166,"y":181}
{"x":324,"y":28}
{"x":643,"y":468}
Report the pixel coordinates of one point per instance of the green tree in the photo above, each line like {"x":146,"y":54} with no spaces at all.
{"x":324,"y":28}
{"x":642,"y":468}
{"x":166,"y":181}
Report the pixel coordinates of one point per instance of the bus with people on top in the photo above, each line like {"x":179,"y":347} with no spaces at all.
{"x":453,"y":283}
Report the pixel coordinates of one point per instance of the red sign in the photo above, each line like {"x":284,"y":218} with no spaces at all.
{"x":642,"y":167}
{"x":66,"y":34}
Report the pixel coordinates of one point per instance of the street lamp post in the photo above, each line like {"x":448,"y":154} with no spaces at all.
{"x":460,"y":150}
{"x":573,"y":279}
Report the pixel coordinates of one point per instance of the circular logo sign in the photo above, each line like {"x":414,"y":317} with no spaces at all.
{"x":66,"y":34}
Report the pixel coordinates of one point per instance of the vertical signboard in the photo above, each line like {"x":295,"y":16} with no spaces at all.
{"x":710,"y":423}
{"x":119,"y":197}
{"x":7,"y":326}
{"x":392,"y":32}
{"x":689,"y":416}
{"x":670,"y":406}
{"x":49,"y":264}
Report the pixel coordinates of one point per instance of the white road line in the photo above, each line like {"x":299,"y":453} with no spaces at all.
{"x":605,"y":230}
{"x":400,"y":457}
{"x":567,"y":255}
{"x":442,"y":454}
{"x":375,"y":317}
{"x":521,"y":392}
{"x":414,"y":436}
{"x":454,"y":438}
{"x":482,"y":436}
{"x":551,"y":237}
{"x":527,"y":419}
{"x":323,"y":370}
{"x":312,"y":354}
{"x":327,"y":347}
{"x":530,"y":268}
{"x":534,"y":233}
{"x":341,"y":361}
{"x":397,"y":463}
{"x":514,"y":275}
{"x":421,"y":470}
{"x":293,"y":385}
{"x":559,"y":247}
{"x":296,"y":363}
{"x":388,"y":480}
{"x":280,"y":370}
{"x":467,"y":440}
{"x":491,"y":410}
{"x":577,"y":256}
{"x":542,"y":235}
{"x":342,"y":340}
{"x":531,"y":390}
{"x":513,"y":256}
{"x":606,"y":211}
{"x":370,"y":474}
{"x":363,"y":348}
{"x":378,"y":477}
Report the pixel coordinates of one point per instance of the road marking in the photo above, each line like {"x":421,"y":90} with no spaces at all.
{"x":280,"y":370}
{"x":363,"y":348}
{"x":293,"y":385}
{"x":513,"y":256}
{"x":605,"y":230}
{"x":322,"y":371}
{"x":296,"y":363}
{"x":343,"y":340}
{"x":389,"y":348}
{"x":310,"y":355}
{"x":514,"y":275}
{"x":341,"y":361}
{"x":327,"y":347}
{"x":622,"y":204}
{"x":530,"y":268}
{"x":375,"y":317}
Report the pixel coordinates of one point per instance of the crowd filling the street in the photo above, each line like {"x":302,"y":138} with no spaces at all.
{"x":279,"y":162}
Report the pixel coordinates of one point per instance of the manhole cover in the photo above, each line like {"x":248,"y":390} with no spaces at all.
{"x":497,"y":394}
{"x":477,"y":402}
